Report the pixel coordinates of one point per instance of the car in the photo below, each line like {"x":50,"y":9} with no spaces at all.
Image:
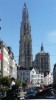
{"x":30,"y":95}
{"x":50,"y":97}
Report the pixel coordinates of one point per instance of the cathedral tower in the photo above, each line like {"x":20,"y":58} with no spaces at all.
{"x":25,"y":49}
{"x":42,"y":61}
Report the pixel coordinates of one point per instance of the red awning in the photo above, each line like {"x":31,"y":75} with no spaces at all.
{"x":0,"y":56}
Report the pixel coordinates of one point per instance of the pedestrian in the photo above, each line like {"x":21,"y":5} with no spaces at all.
{"x":11,"y":95}
{"x":12,"y":82}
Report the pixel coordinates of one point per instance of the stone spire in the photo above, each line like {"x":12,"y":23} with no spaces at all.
{"x":25,"y":13}
{"x":25,"y":51}
{"x":42,"y":47}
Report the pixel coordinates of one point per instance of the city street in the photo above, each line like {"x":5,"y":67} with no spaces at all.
{"x":27,"y":49}
{"x":21,"y":95}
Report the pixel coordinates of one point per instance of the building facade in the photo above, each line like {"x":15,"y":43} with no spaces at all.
{"x":31,"y":76}
{"x":25,"y":48}
{"x":42,"y":61}
{"x":54,"y":74}
{"x":36,"y":78}
{"x":23,"y":74}
{"x":48,"y":79}
{"x":12,"y":64}
{"x":4,"y":61}
{"x":8,"y":65}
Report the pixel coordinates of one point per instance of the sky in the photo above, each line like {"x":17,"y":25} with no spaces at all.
{"x":42,"y":16}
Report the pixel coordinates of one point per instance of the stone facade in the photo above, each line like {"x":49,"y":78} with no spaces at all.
{"x":42,"y":61}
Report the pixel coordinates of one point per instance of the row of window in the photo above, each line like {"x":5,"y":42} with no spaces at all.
{"x":24,"y":73}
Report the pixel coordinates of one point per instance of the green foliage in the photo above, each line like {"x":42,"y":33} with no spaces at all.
{"x":12,"y":78}
{"x":18,"y":83}
{"x":24,"y":85}
{"x":5,"y":81}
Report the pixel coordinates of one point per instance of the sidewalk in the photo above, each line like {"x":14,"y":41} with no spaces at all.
{"x":22,"y":94}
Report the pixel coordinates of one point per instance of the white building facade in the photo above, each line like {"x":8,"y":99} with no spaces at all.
{"x":31,"y":76}
{"x":48,"y":79}
{"x":8,"y":65}
{"x":12,"y":68}
{"x":34,"y":78}
{"x":4,"y":62}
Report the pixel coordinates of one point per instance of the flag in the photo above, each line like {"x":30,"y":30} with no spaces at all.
{"x":0,"y":56}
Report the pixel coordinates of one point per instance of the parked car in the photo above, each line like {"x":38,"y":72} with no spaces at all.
{"x":30,"y":95}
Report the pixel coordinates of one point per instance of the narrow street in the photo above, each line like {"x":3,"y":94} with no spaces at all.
{"x":21,"y":95}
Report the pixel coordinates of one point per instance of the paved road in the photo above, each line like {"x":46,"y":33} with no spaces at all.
{"x":22,"y":95}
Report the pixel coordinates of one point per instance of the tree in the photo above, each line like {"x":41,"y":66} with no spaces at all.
{"x":18,"y":83}
{"x":24,"y":85}
{"x":5,"y":81}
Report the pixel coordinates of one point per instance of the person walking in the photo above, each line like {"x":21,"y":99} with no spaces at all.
{"x":11,"y":95}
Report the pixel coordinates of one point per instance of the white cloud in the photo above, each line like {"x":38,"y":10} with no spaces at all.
{"x":51,"y":37}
